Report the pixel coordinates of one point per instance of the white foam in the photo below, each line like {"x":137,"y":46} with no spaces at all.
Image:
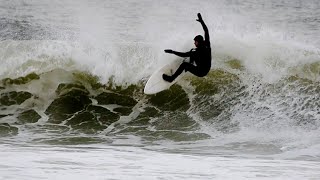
{"x":134,"y":163}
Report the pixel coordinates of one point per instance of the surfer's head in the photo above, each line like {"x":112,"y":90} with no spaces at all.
{"x":198,"y":40}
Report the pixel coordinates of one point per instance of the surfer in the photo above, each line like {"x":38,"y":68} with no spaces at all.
{"x":201,"y":55}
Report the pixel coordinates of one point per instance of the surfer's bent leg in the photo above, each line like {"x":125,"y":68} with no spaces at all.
{"x":184,"y":66}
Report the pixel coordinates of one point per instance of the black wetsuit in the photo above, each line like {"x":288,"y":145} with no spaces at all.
{"x":200,"y":55}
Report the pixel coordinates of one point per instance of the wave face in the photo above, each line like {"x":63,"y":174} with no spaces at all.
{"x":226,"y":101}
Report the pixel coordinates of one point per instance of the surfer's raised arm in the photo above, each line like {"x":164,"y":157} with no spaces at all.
{"x":206,"y":32}
{"x":181,"y":54}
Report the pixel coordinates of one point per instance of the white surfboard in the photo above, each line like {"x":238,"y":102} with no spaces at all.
{"x":156,"y":83}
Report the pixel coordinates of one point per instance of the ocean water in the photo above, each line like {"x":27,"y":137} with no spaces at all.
{"x":72,"y":76}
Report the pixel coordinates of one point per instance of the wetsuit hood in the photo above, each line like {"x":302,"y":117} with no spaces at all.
{"x":198,"y":38}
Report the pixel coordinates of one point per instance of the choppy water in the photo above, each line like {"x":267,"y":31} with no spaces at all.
{"x":72,"y":103}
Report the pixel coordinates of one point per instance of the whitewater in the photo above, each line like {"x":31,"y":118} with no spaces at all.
{"x":72,"y":104}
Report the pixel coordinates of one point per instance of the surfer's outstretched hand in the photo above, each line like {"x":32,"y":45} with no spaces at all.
{"x":199,"y":18}
{"x":168,"y":51}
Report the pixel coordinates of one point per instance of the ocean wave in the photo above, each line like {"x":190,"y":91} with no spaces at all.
{"x":77,"y":102}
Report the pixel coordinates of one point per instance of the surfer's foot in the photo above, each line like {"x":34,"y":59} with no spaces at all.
{"x":167,"y":78}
